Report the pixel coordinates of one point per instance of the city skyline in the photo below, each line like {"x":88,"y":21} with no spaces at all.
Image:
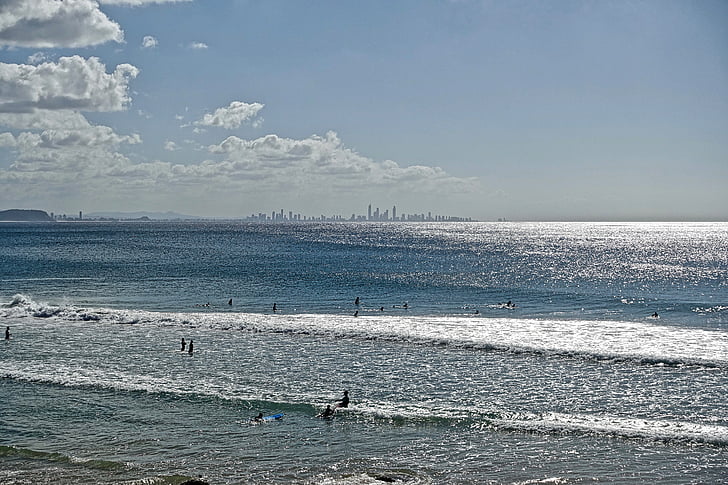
{"x":280,"y":215}
{"x":573,"y":110}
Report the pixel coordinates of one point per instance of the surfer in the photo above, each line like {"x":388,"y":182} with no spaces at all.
{"x":654,"y":315}
{"x":7,"y":333}
{"x":344,"y":403}
{"x":258,"y":418}
{"x":184,"y":344}
{"x":356,"y":313}
{"x":191,"y":347}
{"x":327,"y":413}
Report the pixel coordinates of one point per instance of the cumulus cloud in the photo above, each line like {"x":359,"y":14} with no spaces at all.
{"x":232,"y":116}
{"x":198,"y":45}
{"x":53,"y":24}
{"x":71,"y":83}
{"x":170,"y":146}
{"x":262,"y":170}
{"x":43,"y":119}
{"x":37,"y":58}
{"x":7,"y":140}
{"x":149,"y":42}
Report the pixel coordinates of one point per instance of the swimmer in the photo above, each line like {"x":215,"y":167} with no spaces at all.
{"x":327,"y":413}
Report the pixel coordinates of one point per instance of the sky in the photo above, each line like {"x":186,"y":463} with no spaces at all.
{"x":516,"y":109}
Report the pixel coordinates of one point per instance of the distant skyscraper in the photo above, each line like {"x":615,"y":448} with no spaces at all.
{"x":369,"y":213}
{"x":394,"y":212}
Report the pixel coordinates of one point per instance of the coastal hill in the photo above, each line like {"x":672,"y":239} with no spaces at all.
{"x":24,"y":215}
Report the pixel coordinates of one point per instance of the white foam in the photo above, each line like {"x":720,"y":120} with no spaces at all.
{"x":641,"y":341}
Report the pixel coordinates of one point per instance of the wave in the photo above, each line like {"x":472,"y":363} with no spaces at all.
{"x":29,"y":454}
{"x":377,"y":412}
{"x":643,"y":342}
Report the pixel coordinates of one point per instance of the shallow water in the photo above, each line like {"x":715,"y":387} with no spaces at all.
{"x":574,"y":384}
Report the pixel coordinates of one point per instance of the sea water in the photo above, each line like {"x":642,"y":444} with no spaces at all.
{"x":575,"y":382}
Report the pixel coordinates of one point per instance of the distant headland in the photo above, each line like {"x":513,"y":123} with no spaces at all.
{"x":24,"y":215}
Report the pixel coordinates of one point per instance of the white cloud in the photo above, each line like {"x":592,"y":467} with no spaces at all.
{"x":37,"y":58}
{"x":71,"y":83}
{"x":53,"y":24}
{"x":198,"y":45}
{"x":7,"y":140}
{"x":149,"y":42}
{"x":270,"y":169}
{"x":232,"y":116}
{"x":42,"y":119}
{"x":171,"y":146}
{"x":91,"y":136}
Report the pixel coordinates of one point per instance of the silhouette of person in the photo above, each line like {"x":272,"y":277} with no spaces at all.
{"x":184,"y":344}
{"x":654,"y":315}
{"x":7,"y":333}
{"x":230,"y":302}
{"x":275,"y":308}
{"x":258,"y":418}
{"x":356,"y":302}
{"x":191,"y":347}
{"x":356,"y":313}
{"x":328,"y":412}
{"x":344,"y":403}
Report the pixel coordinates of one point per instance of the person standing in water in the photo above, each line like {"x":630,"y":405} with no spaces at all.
{"x":191,"y":347}
{"x":275,"y":308}
{"x":184,"y":344}
{"x":7,"y":333}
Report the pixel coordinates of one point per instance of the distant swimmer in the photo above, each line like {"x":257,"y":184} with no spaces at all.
{"x":477,"y":312}
{"x":344,"y":403}
{"x":381,"y":308}
{"x":275,"y":308}
{"x":230,"y":302}
{"x":184,"y":344}
{"x":356,"y":313}
{"x":654,"y":315}
{"x":7,"y":333}
{"x":357,"y":301}
{"x":327,"y":413}
{"x":191,"y":347}
{"x":258,"y":418}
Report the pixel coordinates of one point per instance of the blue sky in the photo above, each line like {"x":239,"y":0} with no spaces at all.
{"x":528,"y":110}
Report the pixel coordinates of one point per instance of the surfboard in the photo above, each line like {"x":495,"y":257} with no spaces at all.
{"x":265,"y":419}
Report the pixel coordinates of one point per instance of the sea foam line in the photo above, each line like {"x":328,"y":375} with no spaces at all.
{"x":638,"y":341}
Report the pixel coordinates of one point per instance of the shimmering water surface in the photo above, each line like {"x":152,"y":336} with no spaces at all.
{"x":575,"y":383}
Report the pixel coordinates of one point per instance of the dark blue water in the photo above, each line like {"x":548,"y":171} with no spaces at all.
{"x":574,"y":382}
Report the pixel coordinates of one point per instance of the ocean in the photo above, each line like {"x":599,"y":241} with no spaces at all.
{"x":609,"y":365}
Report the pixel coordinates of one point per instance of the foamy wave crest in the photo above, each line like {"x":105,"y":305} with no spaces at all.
{"x":623,"y":427}
{"x":639,"y":341}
